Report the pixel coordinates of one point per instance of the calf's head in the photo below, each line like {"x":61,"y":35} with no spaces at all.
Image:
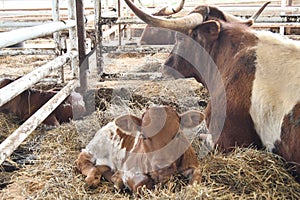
{"x":160,"y":131}
{"x":159,"y":124}
{"x":72,"y":107}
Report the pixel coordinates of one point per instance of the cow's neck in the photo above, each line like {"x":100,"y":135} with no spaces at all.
{"x":236,"y":61}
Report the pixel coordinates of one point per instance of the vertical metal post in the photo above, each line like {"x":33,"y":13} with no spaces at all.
{"x":288,"y":30}
{"x":57,"y":36}
{"x":72,"y":37}
{"x":281,"y":28}
{"x":81,"y":44}
{"x":119,"y":26}
{"x":99,"y":34}
{"x":55,"y":17}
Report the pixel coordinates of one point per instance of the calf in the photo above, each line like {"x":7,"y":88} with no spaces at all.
{"x":29,"y":101}
{"x":133,"y":152}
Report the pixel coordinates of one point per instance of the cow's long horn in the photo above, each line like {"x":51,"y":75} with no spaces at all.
{"x":166,"y":11}
{"x":256,"y":15}
{"x":181,"y":24}
{"x":249,"y":21}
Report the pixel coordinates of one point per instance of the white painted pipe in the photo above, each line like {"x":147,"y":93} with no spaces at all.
{"x":25,"y":51}
{"x":22,"y":34}
{"x":255,"y":8}
{"x":275,"y":25}
{"x":12,"y":142}
{"x":18,"y":86}
{"x":18,"y":24}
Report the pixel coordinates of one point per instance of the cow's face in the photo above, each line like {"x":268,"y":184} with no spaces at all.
{"x":203,"y":25}
{"x":5,"y":81}
{"x":73,"y":107}
{"x":198,"y":44}
{"x":77,"y":103}
{"x":214,"y":43}
{"x":192,"y":52}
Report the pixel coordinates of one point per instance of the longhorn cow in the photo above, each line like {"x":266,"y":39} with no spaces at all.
{"x":259,"y":74}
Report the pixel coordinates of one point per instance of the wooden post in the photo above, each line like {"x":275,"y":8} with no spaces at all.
{"x":81,"y":44}
{"x":99,"y":36}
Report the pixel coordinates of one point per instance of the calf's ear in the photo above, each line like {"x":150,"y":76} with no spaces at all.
{"x":129,"y":123}
{"x":191,"y":119}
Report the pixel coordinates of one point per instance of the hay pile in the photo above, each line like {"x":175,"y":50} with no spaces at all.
{"x":244,"y":174}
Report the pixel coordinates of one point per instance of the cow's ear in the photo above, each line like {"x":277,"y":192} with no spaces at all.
{"x":129,"y":123}
{"x":191,"y":119}
{"x":209,"y":30}
{"x":248,"y":22}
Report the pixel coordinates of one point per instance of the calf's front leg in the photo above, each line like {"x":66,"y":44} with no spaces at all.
{"x":93,"y":173}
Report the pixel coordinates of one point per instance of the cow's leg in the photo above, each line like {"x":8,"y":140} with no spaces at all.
{"x":93,"y":177}
{"x":117,"y":179}
{"x":93,"y":173}
{"x":288,"y":146}
{"x":105,"y":171}
{"x":51,"y":121}
{"x":196,"y":176}
{"x":192,"y":174}
{"x":163,"y":175}
{"x":139,"y":180}
{"x":133,"y":181}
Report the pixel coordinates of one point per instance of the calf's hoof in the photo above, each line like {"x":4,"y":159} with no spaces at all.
{"x":92,"y":182}
{"x":117,"y":181}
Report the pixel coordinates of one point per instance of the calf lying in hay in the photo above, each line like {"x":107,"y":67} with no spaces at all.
{"x":243,"y":174}
{"x":134,"y":152}
{"x":29,"y":101}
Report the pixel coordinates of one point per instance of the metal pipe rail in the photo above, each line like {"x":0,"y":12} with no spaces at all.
{"x":12,"y":142}
{"x":27,"y":51}
{"x":22,"y":34}
{"x":18,"y":86}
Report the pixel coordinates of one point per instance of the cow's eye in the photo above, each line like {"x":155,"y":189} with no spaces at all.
{"x":194,"y":34}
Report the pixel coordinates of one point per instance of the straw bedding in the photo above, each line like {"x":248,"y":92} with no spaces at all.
{"x":43,"y":166}
{"x":51,"y":172}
